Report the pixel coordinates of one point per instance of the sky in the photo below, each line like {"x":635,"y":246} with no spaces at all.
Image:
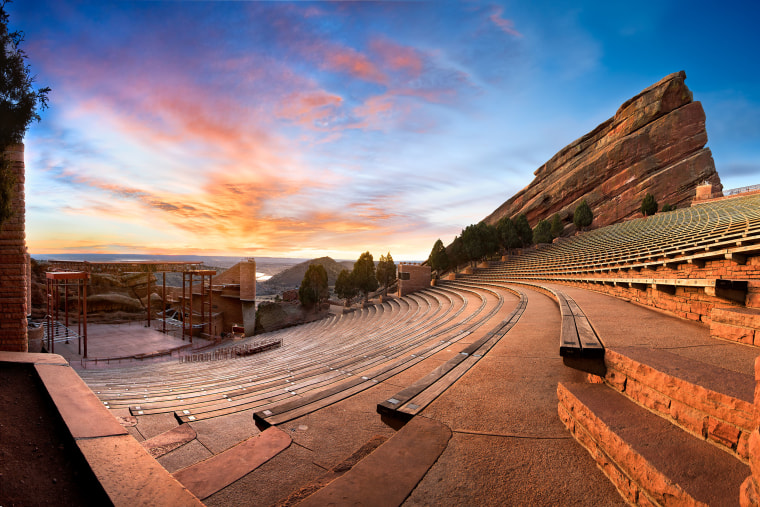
{"x":302,"y":129}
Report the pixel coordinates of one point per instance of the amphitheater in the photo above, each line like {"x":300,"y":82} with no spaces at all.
{"x":616,"y":366}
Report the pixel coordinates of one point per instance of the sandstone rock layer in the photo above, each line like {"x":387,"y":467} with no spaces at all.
{"x":654,"y":144}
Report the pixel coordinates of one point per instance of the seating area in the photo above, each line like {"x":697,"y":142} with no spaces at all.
{"x":645,"y":393}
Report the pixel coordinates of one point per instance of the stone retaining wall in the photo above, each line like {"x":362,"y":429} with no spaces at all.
{"x":718,"y":418}
{"x":693,"y":303}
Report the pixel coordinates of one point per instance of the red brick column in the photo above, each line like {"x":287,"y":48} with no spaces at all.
{"x":13,"y":265}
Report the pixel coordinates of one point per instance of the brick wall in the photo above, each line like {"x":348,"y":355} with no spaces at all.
{"x":412,"y":277}
{"x":13,"y":265}
{"x":694,"y":303}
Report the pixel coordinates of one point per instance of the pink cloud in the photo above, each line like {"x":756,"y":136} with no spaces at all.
{"x":309,"y":108}
{"x":350,"y":61}
{"x":505,"y":25}
{"x":398,"y":57}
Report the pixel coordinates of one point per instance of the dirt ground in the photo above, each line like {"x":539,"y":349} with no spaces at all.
{"x":40,"y":464}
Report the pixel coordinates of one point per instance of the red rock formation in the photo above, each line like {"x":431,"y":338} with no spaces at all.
{"x":654,"y":144}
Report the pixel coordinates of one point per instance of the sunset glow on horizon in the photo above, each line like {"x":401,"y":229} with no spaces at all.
{"x":303,"y":129}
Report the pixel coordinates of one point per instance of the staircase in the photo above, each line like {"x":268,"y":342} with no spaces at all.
{"x":665,"y":429}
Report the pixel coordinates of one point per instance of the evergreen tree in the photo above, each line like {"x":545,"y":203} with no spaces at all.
{"x":313,"y":289}
{"x":649,"y":205}
{"x":556,"y":227}
{"x":458,"y":254}
{"x":364,"y":274}
{"x":508,"y":236}
{"x":386,"y":271}
{"x":438,"y":259}
{"x":345,"y":287}
{"x":542,"y":233}
{"x":523,"y":230}
{"x":18,"y":105}
{"x":490,"y":238}
{"x":583,"y":216}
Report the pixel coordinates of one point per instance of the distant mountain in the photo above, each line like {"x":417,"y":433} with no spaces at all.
{"x":292,"y":277}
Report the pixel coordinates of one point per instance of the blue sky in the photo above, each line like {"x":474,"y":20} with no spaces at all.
{"x":302,"y":129}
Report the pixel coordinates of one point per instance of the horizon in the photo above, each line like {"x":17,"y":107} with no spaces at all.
{"x":310,"y":129}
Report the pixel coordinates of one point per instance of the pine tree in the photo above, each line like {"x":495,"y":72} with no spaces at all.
{"x":313,"y":289}
{"x":18,"y":105}
{"x":649,"y":205}
{"x":542,"y":232}
{"x":364,"y":274}
{"x":583,"y":216}
{"x":438,"y":259}
{"x":345,"y":287}
{"x":557,"y":227}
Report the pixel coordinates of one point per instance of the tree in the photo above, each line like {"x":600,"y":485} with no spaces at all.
{"x":583,"y":216}
{"x":668,"y":207}
{"x":557,"y":227}
{"x":438,"y":258}
{"x":542,"y":233}
{"x":457,"y":255}
{"x":508,"y":236}
{"x":523,"y":230}
{"x":345,"y":287}
{"x":479,"y":240}
{"x":19,"y":102}
{"x":313,"y":289}
{"x":649,"y":205}
{"x":490,"y":238}
{"x":364,"y":274}
{"x":386,"y":271}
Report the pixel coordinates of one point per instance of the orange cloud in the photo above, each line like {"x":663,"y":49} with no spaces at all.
{"x":310,"y":108}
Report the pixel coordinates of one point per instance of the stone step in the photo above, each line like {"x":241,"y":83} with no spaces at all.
{"x":736,"y":324}
{"x":205,"y":478}
{"x":391,"y":472}
{"x":712,"y":403}
{"x":648,"y":459}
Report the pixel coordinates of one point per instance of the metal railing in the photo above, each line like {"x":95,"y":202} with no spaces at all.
{"x":741,"y":190}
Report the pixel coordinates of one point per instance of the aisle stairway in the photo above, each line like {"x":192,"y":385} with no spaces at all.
{"x":665,"y":425}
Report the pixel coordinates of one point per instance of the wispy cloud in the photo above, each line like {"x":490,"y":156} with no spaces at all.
{"x":505,"y":25}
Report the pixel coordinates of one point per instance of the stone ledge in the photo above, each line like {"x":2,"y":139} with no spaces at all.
{"x":744,"y":317}
{"x":712,"y":403}
{"x":665,"y":466}
{"x":128,"y":474}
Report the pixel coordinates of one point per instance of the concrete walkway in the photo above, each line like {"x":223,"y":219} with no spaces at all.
{"x":508,"y":445}
{"x":621,"y":323}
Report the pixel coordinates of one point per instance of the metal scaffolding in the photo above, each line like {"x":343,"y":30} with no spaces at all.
{"x":58,"y":284}
{"x":204,"y":302}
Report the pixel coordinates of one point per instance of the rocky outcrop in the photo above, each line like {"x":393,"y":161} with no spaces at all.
{"x":654,"y":144}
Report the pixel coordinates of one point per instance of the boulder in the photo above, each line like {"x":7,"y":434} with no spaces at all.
{"x":654,"y":144}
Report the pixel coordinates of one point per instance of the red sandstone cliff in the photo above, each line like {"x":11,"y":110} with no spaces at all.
{"x":655,"y":143}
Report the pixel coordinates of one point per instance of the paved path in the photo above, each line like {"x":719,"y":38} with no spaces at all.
{"x":621,"y":323}
{"x":508,"y":445}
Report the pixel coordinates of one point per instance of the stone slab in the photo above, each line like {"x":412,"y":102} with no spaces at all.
{"x":669,"y":463}
{"x":209,"y":476}
{"x":130,"y":476}
{"x":35,"y":358}
{"x":720,"y":380}
{"x":82,"y":411}
{"x":392,"y":471}
{"x":745,"y":317}
{"x":169,"y":440}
